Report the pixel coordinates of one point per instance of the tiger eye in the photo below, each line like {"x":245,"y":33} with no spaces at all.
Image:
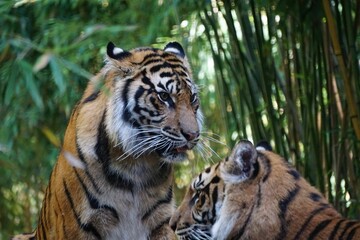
{"x":164,"y":96}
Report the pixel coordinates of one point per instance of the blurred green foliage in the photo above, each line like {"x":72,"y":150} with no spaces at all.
{"x":266,"y":70}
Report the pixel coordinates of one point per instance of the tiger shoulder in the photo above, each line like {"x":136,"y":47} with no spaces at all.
{"x":255,"y":194}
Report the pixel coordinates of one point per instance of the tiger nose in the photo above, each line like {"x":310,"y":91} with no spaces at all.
{"x":190,"y":135}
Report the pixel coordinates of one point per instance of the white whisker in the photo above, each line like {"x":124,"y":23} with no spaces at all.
{"x":208,"y":146}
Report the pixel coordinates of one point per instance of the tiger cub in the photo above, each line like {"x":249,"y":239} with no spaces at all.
{"x":113,"y":178}
{"x":255,"y":194}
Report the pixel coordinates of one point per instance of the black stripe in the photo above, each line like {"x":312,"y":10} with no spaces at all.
{"x":315,"y":197}
{"x":267,"y":169}
{"x":294,"y":173}
{"x":217,"y":166}
{"x":82,"y":159}
{"x":124,"y":94}
{"x":169,"y":75}
{"x":94,"y":203}
{"x":147,"y":80}
{"x":255,"y":172}
{"x":157,"y":67}
{"x":170,"y":57}
{"x":84,"y":226}
{"x":166,"y":200}
{"x":92,"y":97}
{"x":352,"y":233}
{"x":162,"y":86}
{"x":215,"y":179}
{"x":242,"y":229}
{"x":43,"y":230}
{"x":170,"y":81}
{"x":62,"y":217}
{"x":348,"y":225}
{"x":283,"y":206}
{"x":319,"y":228}
{"x":103,"y":154}
{"x":154,"y":60}
{"x":336,"y":228}
{"x":308,"y":220}
{"x":154,"y":102}
{"x":214,"y":197}
{"x":149,"y":57}
{"x":258,"y":196}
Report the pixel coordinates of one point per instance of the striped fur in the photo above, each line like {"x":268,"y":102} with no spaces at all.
{"x":113,"y":177}
{"x":255,"y":194}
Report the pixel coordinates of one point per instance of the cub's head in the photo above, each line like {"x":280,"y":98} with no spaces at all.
{"x":153,"y":104}
{"x":200,"y":207}
{"x":202,"y":204}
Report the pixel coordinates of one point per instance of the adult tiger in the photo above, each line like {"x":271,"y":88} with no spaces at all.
{"x":113,"y":177}
{"x":255,"y":194}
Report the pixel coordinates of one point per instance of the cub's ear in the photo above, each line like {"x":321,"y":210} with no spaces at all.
{"x":176,"y":48}
{"x":264,"y":146}
{"x":115,"y":52}
{"x":241,"y":164}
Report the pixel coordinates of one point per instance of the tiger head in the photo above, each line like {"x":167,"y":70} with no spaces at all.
{"x":200,"y":206}
{"x":200,"y":209}
{"x":153,"y":104}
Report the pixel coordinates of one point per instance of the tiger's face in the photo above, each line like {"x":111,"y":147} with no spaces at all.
{"x":154,"y":104}
{"x":200,"y":206}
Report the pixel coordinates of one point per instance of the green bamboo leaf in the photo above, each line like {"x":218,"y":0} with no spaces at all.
{"x":76,"y":69}
{"x":11,"y":69}
{"x":57,"y":74}
{"x":26,"y":71}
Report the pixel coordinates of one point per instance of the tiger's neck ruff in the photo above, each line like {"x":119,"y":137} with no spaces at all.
{"x":113,"y":178}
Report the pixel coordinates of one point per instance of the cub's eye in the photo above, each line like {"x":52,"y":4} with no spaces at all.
{"x":193,"y":98}
{"x":164,"y":96}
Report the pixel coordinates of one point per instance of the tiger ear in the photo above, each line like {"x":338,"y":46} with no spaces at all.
{"x":241,"y":164}
{"x":263,"y":145}
{"x":115,"y":52}
{"x":176,"y":48}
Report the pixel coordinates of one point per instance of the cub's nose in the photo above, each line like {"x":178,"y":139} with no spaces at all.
{"x":189,"y":135}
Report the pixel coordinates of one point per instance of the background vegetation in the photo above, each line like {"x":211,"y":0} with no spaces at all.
{"x":285,"y":71}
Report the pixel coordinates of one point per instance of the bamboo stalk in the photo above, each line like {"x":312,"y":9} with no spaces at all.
{"x":354,"y":114}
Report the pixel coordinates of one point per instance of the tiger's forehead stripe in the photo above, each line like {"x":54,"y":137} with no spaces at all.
{"x":210,"y":171}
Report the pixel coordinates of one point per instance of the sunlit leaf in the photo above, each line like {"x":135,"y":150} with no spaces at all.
{"x":42,"y":62}
{"x":51,"y":136}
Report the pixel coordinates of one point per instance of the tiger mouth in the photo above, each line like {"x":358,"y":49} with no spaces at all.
{"x":176,"y":151}
{"x":181,"y":149}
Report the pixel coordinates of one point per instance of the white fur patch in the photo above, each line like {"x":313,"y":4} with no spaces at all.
{"x":117,"y":50}
{"x":172,"y":50}
{"x":73,"y":161}
{"x":260,"y":148}
{"x":223,"y":226}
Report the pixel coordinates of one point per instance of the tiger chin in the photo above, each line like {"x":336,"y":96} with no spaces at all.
{"x":255,"y":194}
{"x":114,"y":174}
